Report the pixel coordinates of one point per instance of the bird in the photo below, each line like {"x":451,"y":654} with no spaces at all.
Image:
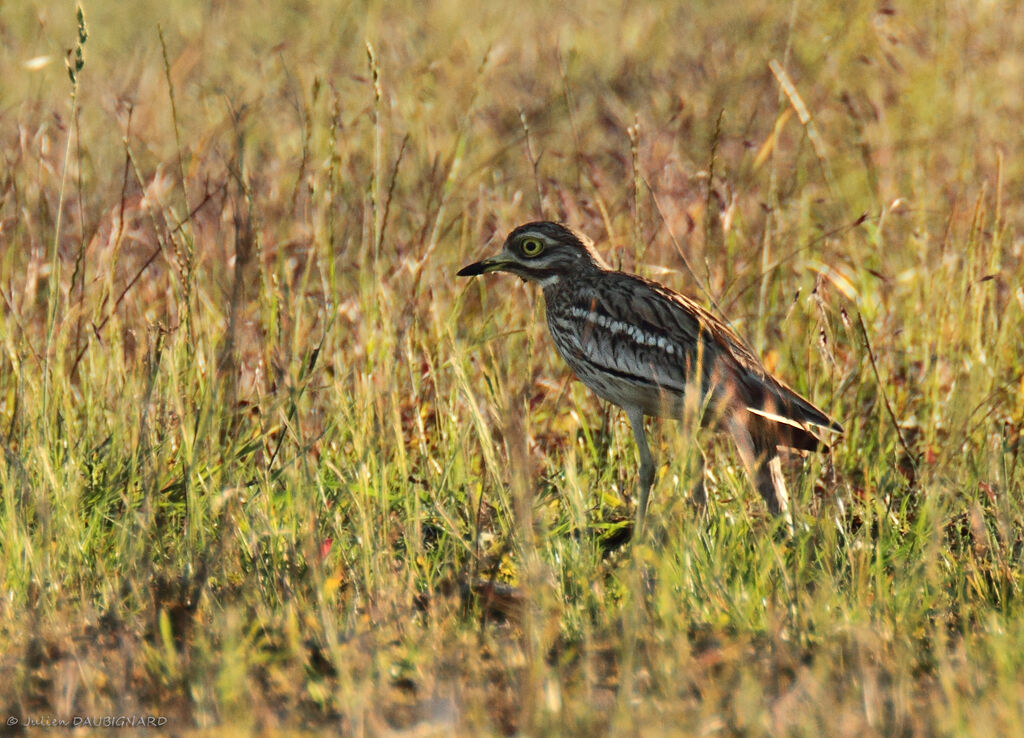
{"x":655,"y":352}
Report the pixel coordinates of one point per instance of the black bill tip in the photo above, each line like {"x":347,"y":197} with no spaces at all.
{"x":472,"y":270}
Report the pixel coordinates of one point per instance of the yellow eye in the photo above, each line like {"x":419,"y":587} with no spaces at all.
{"x":531,"y":246}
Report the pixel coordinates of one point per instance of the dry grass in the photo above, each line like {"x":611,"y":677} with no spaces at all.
{"x":268,"y":466}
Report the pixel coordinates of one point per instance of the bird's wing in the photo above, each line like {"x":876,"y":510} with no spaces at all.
{"x":628,"y":333}
{"x":656,"y":310}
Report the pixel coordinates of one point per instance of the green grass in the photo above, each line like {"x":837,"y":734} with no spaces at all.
{"x":268,"y":466}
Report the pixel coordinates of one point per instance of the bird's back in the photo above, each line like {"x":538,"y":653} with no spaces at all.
{"x":637,"y":342}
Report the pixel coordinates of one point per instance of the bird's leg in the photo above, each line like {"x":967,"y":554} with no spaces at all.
{"x":764,"y":467}
{"x":636,"y":420}
{"x":696,"y":407}
{"x":698,"y":496}
{"x":780,"y":506}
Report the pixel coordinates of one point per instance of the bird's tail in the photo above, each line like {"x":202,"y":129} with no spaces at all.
{"x":787,"y":418}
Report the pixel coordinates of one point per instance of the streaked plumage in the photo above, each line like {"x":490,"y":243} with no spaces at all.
{"x":653,"y":351}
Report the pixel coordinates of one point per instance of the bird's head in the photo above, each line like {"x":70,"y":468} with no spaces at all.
{"x":541,"y":252}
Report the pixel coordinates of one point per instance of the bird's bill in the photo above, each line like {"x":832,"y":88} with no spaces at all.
{"x":494,"y":264}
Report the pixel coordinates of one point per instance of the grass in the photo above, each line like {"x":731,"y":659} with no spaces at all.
{"x":268,"y":466}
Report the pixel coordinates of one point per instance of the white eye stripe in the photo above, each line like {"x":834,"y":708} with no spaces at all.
{"x":618,"y":326}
